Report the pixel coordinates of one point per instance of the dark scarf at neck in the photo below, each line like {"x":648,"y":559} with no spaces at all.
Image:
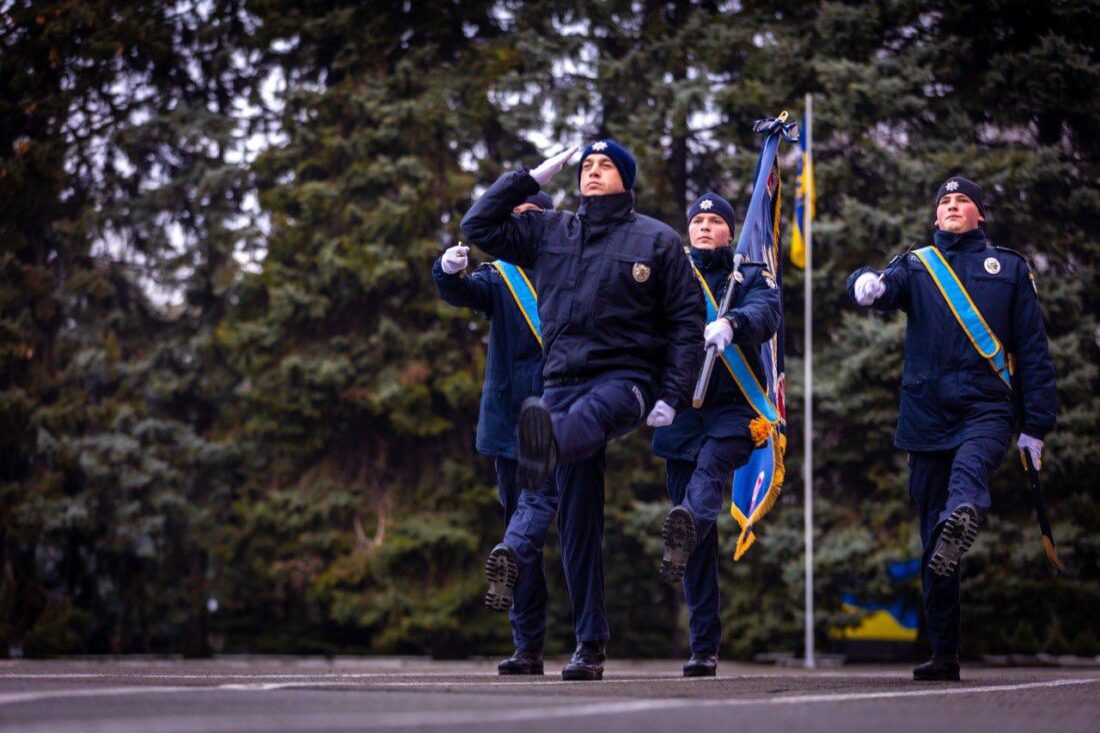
{"x":608,"y":209}
{"x":972,"y":241}
{"x":713,"y":259}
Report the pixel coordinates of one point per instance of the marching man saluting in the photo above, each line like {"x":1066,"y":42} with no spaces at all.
{"x":976,"y":357}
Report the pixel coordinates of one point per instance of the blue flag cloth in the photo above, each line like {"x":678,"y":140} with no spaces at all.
{"x":756,"y":485}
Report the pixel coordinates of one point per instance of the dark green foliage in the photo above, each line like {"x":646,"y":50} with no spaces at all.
{"x":224,"y":373}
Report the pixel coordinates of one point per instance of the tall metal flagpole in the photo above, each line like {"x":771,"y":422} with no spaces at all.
{"x":807,"y":438}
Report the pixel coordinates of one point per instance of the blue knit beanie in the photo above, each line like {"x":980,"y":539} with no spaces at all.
{"x":958,"y":184}
{"x":619,"y":155}
{"x":712,"y":203}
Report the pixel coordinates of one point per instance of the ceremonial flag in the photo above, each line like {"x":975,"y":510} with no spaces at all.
{"x":756,"y":485}
{"x":804,"y":202}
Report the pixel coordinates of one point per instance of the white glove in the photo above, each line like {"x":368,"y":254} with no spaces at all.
{"x":552,"y":165}
{"x":718,"y":333}
{"x":454,"y":259}
{"x":1034,"y":446}
{"x":661,"y":415}
{"x":869,"y":288}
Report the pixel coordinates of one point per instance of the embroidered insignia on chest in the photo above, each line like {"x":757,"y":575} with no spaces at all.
{"x":952,"y":185}
{"x":739,"y":277}
{"x":706,"y":205}
{"x":992,"y":265}
{"x":640,"y":272}
{"x":601,"y":145}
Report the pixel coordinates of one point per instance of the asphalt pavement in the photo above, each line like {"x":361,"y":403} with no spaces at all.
{"x":234,"y":694}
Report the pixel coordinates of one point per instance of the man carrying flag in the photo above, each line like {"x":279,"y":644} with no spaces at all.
{"x":974,"y":344}
{"x":703,"y":447}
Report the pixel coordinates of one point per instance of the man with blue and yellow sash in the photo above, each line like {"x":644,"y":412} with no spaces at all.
{"x":976,"y":358}
{"x":702,"y":447}
{"x":513,"y":372}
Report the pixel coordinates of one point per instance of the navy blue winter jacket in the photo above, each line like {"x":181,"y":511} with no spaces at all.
{"x":948,"y":391}
{"x":755,"y":314}
{"x":513,"y":366}
{"x":616,"y":292}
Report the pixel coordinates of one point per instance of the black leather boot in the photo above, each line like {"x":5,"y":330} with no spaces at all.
{"x":701,"y":665}
{"x":938,"y":669}
{"x":678,"y":533}
{"x":521,"y":662}
{"x":537,"y":451}
{"x":501,"y":570}
{"x":956,"y":537}
{"x":587,"y":662}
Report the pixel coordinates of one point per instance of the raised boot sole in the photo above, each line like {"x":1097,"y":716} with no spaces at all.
{"x":678,"y":533}
{"x":501,"y":571}
{"x":958,"y":534}
{"x":535,"y":436}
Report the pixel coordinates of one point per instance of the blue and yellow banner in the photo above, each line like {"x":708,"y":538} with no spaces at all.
{"x":757,"y":484}
{"x":805,"y":198}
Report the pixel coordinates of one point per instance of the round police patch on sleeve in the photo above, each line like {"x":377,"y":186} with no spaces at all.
{"x":992,"y":265}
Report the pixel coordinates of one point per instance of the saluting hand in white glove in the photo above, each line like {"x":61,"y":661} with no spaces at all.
{"x":661,"y":415}
{"x":869,"y":288}
{"x":454,"y":259}
{"x":552,"y":165}
{"x":1034,"y":447}
{"x":718,"y":333}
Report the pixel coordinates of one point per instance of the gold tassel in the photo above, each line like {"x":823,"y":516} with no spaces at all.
{"x":744,"y":542}
{"x":759,"y":429}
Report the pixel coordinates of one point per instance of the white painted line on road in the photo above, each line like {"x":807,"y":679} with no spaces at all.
{"x":218,"y":676}
{"x":855,"y":696}
{"x":448,"y":718}
{"x":9,"y":698}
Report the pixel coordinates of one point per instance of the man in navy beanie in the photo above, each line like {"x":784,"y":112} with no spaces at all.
{"x":703,"y":447}
{"x":977,"y":366}
{"x":622,"y":327}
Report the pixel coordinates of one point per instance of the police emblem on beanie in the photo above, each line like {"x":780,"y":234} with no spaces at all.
{"x":619,"y":155}
{"x":958,"y":184}
{"x":640,"y":272}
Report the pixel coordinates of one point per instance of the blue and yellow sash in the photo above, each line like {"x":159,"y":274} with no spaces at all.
{"x":524,"y":293}
{"x":966,"y":313}
{"x":739,"y":368}
{"x":765,"y":466}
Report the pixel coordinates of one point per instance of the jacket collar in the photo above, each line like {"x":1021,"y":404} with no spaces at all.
{"x":713,"y":259}
{"x":972,"y":241}
{"x":597,"y":210}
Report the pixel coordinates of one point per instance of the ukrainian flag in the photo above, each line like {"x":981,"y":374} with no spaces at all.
{"x":804,"y":201}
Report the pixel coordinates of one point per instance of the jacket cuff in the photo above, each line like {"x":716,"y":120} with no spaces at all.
{"x":671,"y":400}
{"x":1034,"y":432}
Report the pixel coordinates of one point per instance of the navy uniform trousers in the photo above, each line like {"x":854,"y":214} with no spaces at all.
{"x":528,"y":515}
{"x":586,"y":416}
{"x":939,"y":481}
{"x":701,"y":486}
